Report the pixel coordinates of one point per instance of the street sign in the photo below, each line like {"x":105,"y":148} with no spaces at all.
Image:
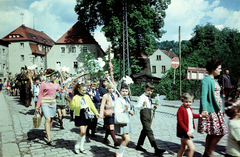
{"x":175,"y":62}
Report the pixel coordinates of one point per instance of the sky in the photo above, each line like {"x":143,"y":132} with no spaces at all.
{"x":56,"y":17}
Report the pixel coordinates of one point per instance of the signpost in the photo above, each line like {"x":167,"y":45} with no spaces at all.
{"x":175,"y":64}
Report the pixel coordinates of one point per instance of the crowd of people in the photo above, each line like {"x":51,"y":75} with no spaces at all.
{"x":89,"y":100}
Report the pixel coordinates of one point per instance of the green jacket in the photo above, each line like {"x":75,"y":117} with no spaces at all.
{"x":208,"y":101}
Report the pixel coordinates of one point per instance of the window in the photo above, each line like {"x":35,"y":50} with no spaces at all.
{"x":10,"y":36}
{"x":22,"y":58}
{"x":36,"y":59}
{"x":163,"y":68}
{"x":18,"y":36}
{"x":73,"y":49}
{"x":85,"y":49}
{"x":75,"y":65}
{"x":21,"y":45}
{"x":14,"y":36}
{"x":58,"y":64}
{"x":62,"y":49}
{"x":40,"y":47}
{"x":154,"y":69}
{"x":3,"y":66}
{"x":3,"y":51}
{"x":159,"y":57}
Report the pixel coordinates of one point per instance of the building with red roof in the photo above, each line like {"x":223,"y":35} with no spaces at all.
{"x":71,"y":47}
{"x":27,"y":47}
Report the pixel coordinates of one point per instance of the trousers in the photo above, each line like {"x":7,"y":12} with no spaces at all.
{"x":145,"y":117}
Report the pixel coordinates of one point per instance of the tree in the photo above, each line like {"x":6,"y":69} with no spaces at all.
{"x":174,"y":45}
{"x":145,"y":21}
{"x":207,"y":42}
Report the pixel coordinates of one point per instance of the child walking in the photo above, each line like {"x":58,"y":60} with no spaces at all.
{"x":94,"y":95}
{"x":61,"y":98}
{"x":186,"y":125}
{"x":123,"y":105}
{"x":145,"y":105}
{"x":107,"y":110}
{"x":83,"y":106}
{"x":232,"y":109}
{"x":36,"y":89}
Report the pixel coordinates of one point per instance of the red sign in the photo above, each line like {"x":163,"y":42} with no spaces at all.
{"x":175,"y":62}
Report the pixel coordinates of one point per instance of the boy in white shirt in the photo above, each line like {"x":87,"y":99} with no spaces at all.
{"x":145,"y":105}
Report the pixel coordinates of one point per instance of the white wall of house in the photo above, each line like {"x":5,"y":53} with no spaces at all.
{"x":20,"y":54}
{"x":4,"y":63}
{"x":159,"y":63}
{"x":70,"y":55}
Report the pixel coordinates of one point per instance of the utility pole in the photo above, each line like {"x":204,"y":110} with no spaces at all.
{"x":180,"y":84}
{"x":126,"y":70}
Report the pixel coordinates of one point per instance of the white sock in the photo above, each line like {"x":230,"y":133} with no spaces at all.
{"x":121,"y":150}
{"x":78,"y":141}
{"x":82,"y":142}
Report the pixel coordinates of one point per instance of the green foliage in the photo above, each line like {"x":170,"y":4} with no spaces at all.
{"x":207,"y":42}
{"x":174,"y":45}
{"x":145,"y":21}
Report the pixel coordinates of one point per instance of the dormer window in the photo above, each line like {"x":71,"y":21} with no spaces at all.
{"x":34,"y":37}
{"x":14,"y":36}
{"x":18,"y":36}
{"x":10,"y":36}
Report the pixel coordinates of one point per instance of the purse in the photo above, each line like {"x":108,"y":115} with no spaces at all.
{"x":37,"y":119}
{"x":121,"y":118}
{"x":88,"y":114}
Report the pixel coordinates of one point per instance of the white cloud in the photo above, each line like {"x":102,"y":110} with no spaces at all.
{"x":53,"y":17}
{"x":189,"y":13}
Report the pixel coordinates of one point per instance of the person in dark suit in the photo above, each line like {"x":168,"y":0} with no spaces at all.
{"x":226,"y":84}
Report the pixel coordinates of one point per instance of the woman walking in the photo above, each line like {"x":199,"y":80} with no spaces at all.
{"x":211,"y":108}
{"x":47,"y":101}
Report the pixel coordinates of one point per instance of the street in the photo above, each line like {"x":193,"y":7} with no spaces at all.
{"x":18,"y":138}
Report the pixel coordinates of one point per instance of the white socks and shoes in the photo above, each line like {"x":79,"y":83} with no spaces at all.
{"x":79,"y":145}
{"x":120,"y":151}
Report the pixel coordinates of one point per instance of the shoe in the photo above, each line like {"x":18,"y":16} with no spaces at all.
{"x":159,"y":151}
{"x":117,"y":144}
{"x":93,"y":135}
{"x":61,"y":127}
{"x":49,"y":143}
{"x":106,"y":141}
{"x":76,"y":150}
{"x":87,"y":140}
{"x":115,"y":154}
{"x":83,"y":151}
{"x":140,"y":148}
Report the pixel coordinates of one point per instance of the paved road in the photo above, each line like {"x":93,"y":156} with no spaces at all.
{"x":18,"y":138}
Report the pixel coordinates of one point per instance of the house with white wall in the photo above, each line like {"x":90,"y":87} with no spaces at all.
{"x":3,"y":60}
{"x":71,"y":47}
{"x":154,"y":66}
{"x":27,"y":47}
{"x":160,"y":61}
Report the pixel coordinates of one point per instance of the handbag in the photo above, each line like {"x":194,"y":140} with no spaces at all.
{"x":88,"y":114}
{"x":121,"y":118}
{"x":37,"y":119}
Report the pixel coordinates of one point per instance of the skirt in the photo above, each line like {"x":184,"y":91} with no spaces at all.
{"x":109,"y":120}
{"x":123,"y":128}
{"x":214,"y":124}
{"x":49,"y":110}
{"x":81,"y":120}
{"x":35,"y":98}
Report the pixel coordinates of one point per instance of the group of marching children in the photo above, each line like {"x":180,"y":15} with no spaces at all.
{"x":85,"y":102}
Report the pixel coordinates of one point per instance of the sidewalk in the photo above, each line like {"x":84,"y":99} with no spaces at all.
{"x":9,"y":148}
